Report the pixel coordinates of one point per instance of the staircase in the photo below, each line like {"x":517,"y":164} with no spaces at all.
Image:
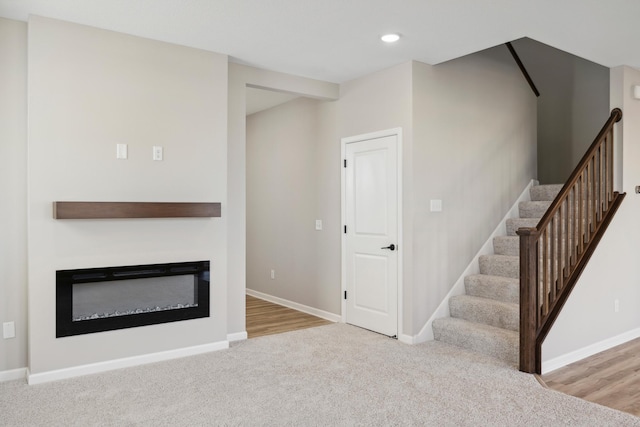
{"x":486,"y":319}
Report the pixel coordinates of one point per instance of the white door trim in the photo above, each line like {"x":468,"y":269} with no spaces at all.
{"x":344,"y":141}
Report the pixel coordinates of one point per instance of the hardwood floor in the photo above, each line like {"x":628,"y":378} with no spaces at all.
{"x":266,"y":318}
{"x":610,"y":378}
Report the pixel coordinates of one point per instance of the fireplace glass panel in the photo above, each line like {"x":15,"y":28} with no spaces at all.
{"x":133,"y":296}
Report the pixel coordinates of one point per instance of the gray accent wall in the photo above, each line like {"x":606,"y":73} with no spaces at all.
{"x":572,"y":107}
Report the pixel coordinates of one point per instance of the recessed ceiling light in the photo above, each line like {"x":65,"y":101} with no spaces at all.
{"x":390,"y":38}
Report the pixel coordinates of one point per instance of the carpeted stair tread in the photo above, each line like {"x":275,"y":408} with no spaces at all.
{"x":486,"y":311}
{"x":545,"y":192}
{"x":514,"y":223}
{"x":533,"y":209}
{"x":506,"y":245}
{"x":500,"y":265}
{"x":496,"y":342}
{"x":499,"y":288}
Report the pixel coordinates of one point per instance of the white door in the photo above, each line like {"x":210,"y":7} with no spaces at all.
{"x":371,"y":234}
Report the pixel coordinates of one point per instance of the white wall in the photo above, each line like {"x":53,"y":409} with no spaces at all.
{"x":588,"y":321}
{"x":88,"y":90}
{"x":13,"y":187}
{"x":241,"y":76}
{"x":474,"y":148}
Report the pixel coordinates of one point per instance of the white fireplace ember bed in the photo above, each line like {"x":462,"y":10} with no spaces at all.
{"x":104,"y":299}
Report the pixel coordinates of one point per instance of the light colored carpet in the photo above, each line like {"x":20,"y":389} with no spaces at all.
{"x":327,"y":376}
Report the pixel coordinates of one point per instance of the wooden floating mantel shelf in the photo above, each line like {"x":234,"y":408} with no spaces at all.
{"x":106,"y":210}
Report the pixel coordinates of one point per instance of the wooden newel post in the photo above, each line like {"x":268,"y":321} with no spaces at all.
{"x":529,"y":357}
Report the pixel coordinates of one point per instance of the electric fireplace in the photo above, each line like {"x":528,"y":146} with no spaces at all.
{"x":104,"y":299}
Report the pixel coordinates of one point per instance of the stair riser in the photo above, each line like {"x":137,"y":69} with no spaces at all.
{"x":496,"y":288}
{"x":487,"y":312}
{"x":503,"y":346}
{"x":500,"y":266}
{"x":529,"y":211}
{"x":506,"y":245}
{"x":544,"y":192}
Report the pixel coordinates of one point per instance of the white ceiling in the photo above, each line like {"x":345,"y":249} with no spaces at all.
{"x":338,"y":40}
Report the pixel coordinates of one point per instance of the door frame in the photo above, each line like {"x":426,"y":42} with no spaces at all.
{"x":343,"y":207}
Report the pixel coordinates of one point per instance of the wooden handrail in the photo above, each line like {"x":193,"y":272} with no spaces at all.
{"x":523,"y":70}
{"x":554,"y":253}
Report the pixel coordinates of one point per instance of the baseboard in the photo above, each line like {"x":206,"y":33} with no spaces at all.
{"x":426,"y":333}
{"x":590,"y":350}
{"x":237,"y":336}
{"x":406,"y":339}
{"x":94,"y":368}
{"x":13,"y":374}
{"x":294,"y":305}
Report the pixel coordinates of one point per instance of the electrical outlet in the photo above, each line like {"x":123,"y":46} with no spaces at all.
{"x":616,"y":306}
{"x":8,"y":330}
{"x":318,"y":224}
{"x":273,"y":274}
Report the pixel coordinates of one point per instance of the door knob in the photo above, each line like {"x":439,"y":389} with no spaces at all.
{"x":390,"y":247}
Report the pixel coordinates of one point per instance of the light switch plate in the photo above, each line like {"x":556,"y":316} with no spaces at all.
{"x":318,"y":224}
{"x":8,"y":330}
{"x":121,"y":151}
{"x":157,"y":152}
{"x":436,"y":205}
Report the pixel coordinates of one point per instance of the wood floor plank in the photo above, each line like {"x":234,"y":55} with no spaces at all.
{"x":266,"y":318}
{"x":610,"y":378}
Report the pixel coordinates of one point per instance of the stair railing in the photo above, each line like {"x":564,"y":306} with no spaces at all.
{"x":523,"y":69}
{"x":554,"y":253}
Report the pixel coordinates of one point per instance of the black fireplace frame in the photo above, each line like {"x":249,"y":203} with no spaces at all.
{"x":65,"y":279}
